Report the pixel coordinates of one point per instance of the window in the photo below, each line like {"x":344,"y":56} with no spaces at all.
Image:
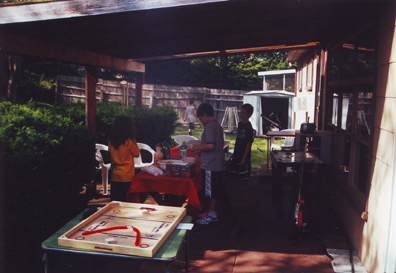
{"x":366,"y":54}
{"x":364,"y":113}
{"x":289,"y":82}
{"x":334,"y":120}
{"x":309,"y":76}
{"x":274,"y":82}
{"x":347,"y":55}
{"x":335,"y":62}
{"x":300,"y":76}
{"x":346,"y":111}
{"x":351,"y":70}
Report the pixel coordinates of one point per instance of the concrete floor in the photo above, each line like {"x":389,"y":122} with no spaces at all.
{"x":271,"y":247}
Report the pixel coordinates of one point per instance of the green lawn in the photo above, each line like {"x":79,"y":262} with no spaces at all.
{"x":258,"y":158}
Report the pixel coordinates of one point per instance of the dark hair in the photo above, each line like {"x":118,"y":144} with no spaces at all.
{"x":205,"y":108}
{"x":123,"y":129}
{"x":191,"y":101}
{"x":249,"y":109}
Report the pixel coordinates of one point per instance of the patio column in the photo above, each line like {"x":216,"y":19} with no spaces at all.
{"x":139,"y":88}
{"x":91,"y":78}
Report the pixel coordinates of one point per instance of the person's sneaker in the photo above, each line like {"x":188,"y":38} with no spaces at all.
{"x":206,"y":220}
{"x":202,"y":215}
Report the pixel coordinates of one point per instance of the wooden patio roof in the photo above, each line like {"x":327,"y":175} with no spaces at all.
{"x":123,"y":34}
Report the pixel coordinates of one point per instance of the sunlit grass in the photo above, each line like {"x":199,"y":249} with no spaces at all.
{"x":258,"y":158}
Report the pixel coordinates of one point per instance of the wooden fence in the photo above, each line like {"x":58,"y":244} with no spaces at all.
{"x":72,"y":89}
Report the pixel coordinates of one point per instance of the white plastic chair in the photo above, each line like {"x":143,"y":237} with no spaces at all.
{"x":186,"y":138}
{"x":289,"y":141}
{"x":138,"y":160}
{"x":105,"y":167}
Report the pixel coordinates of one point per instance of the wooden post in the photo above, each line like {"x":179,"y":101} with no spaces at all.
{"x":127,"y":94}
{"x":124,"y":94}
{"x":57,"y":93}
{"x":14,"y":65}
{"x":139,"y":88}
{"x":153,"y":101}
{"x":91,"y":78}
{"x":100,"y":87}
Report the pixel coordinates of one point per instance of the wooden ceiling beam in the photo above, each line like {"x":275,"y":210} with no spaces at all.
{"x":205,"y":45}
{"x":79,"y":8}
{"x":212,"y":54}
{"x":28,"y":46}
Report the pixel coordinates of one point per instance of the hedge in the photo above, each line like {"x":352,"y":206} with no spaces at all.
{"x":153,"y":125}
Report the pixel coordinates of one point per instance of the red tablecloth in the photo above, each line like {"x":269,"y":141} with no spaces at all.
{"x":144,"y":182}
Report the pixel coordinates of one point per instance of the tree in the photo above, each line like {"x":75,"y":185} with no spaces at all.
{"x":26,"y":77}
{"x":29,"y":77}
{"x":229,"y":72}
{"x":14,"y":66}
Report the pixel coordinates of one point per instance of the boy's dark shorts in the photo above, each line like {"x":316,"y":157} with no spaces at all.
{"x":212,"y":183}
{"x":191,"y":125}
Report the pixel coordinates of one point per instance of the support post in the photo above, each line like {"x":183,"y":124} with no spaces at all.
{"x":139,"y":88}
{"x":91,"y":78}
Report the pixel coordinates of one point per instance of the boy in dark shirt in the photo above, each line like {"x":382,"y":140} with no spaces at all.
{"x":244,"y":140}
{"x":240,"y":168}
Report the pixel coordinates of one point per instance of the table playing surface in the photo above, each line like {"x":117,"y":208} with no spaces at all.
{"x":168,"y":250}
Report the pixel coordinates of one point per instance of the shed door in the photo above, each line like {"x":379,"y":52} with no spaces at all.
{"x":277,"y":110}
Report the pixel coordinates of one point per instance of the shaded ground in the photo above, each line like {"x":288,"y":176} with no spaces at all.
{"x":270,"y":248}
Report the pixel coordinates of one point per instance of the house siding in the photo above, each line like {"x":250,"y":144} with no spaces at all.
{"x":372,"y":247}
{"x":305,"y":100}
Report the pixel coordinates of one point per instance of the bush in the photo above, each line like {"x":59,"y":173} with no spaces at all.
{"x":105,"y":116}
{"x":74,"y":111}
{"x":47,"y":160}
{"x":48,"y":156}
{"x":153,"y":125}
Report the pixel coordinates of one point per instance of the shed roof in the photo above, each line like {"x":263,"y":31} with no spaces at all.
{"x":271,"y":94}
{"x":277,"y":72}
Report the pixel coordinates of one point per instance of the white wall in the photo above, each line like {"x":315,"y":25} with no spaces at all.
{"x":304,"y":102}
{"x":373,"y":247}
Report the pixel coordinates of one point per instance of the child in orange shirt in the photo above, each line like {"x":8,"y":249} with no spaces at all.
{"x":123,"y":149}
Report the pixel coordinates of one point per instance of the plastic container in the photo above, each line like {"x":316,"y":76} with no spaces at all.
{"x":175,"y":153}
{"x":166,"y":150}
{"x":158,"y":155}
{"x":183,"y":150}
